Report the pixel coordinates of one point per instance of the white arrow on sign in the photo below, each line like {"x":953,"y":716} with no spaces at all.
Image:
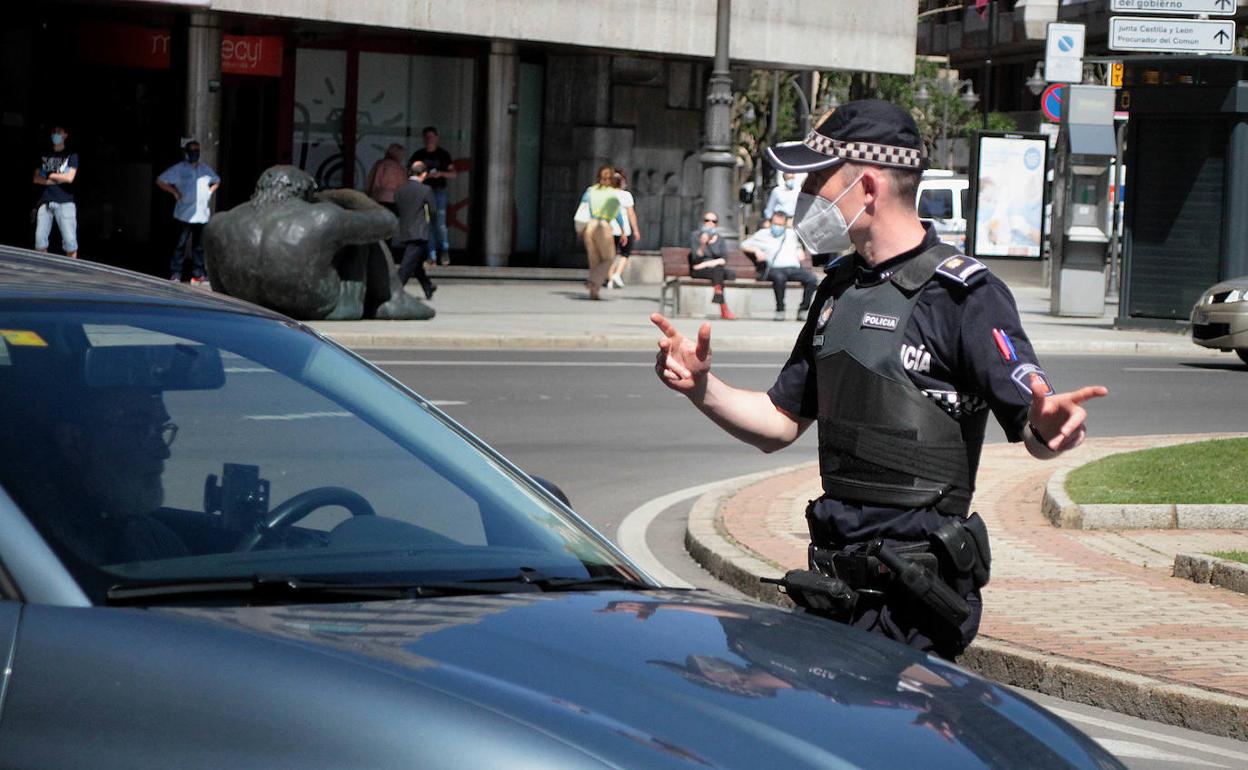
{"x":1128,"y":33}
{"x":1210,"y":7}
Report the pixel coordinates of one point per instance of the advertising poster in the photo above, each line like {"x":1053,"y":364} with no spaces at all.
{"x":1010,"y":189}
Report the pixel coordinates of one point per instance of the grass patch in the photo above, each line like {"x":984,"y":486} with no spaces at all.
{"x":1206,"y":472}
{"x":1240,"y":556}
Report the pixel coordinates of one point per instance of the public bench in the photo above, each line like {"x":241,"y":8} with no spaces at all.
{"x":689,"y":296}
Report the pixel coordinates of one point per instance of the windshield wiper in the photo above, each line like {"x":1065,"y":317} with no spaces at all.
{"x":529,"y":576}
{"x":286,"y":588}
{"x":283,"y":588}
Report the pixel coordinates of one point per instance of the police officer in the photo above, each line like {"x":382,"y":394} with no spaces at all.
{"x":907,"y":347}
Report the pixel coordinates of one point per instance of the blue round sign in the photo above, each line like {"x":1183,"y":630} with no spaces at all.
{"x":1051,"y":102}
{"x":1065,"y":43}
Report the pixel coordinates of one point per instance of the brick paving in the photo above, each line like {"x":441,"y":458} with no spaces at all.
{"x":1101,"y":597}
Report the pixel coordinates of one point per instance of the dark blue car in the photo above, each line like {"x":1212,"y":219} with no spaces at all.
{"x":228,"y":543}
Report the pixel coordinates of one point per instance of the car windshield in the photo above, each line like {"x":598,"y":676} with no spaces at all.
{"x":156,"y":446}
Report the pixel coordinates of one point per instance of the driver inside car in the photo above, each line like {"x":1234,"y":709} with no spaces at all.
{"x":112,"y":445}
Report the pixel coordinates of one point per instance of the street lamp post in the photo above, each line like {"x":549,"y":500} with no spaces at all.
{"x":718,"y":162}
{"x":947,"y":87}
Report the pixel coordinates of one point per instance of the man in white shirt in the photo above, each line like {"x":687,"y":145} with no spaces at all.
{"x":778,"y":252}
{"x":783,"y":197}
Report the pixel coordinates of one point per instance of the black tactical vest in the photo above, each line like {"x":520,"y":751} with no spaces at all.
{"x":881,"y":440}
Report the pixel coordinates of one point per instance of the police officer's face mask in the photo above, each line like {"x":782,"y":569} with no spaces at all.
{"x":820,"y":223}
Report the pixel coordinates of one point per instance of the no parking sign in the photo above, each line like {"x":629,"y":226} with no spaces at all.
{"x":1051,"y":102}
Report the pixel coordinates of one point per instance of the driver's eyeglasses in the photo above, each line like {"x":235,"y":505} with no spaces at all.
{"x":166,"y":431}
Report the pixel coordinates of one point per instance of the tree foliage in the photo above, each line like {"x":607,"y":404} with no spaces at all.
{"x":755,"y":127}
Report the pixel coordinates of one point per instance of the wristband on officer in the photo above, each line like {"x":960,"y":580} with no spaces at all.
{"x":1037,"y":443}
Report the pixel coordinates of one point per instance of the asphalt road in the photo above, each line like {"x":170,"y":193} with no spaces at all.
{"x":602,"y":427}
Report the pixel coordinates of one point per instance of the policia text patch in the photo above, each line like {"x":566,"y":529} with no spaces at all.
{"x":880,"y":321}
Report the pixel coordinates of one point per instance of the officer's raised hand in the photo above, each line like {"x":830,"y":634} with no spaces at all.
{"x":682,"y":364}
{"x":1057,"y":421}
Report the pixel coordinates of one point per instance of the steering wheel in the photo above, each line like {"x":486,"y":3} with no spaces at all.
{"x":294,"y":509}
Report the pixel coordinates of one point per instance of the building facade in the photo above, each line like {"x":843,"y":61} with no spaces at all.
{"x":529,"y":97}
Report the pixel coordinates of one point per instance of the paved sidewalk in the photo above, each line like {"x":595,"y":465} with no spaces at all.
{"x":1092,"y":616}
{"x":519,"y":314}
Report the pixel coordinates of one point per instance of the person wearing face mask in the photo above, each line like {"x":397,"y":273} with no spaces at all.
{"x":783,"y":196}
{"x":778,"y":252}
{"x":54,"y":176}
{"x":191,"y":183}
{"x":708,"y":259}
{"x":907,"y":349}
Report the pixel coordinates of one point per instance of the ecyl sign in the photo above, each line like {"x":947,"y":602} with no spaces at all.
{"x":123,"y":45}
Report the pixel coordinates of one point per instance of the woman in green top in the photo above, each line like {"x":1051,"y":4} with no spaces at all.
{"x":604,"y":207}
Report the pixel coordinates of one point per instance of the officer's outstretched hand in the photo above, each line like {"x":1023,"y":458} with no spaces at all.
{"x":1059,"y":418}
{"x":682,"y":364}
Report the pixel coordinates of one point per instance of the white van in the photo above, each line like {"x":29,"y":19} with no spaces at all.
{"x":942,"y":200}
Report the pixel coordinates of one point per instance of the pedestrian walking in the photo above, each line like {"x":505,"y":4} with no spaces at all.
{"x":192,"y":183}
{"x":708,"y":259}
{"x":908,"y":347}
{"x":387,"y":175}
{"x":416,"y":206}
{"x":783,"y":197}
{"x":625,"y":230}
{"x":441,"y":169}
{"x":603,"y":201}
{"x":55,"y":175}
{"x":778,"y":252}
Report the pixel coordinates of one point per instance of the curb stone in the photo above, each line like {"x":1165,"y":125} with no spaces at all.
{"x":1002,"y":662}
{"x":1202,"y":568}
{"x":1063,"y":512}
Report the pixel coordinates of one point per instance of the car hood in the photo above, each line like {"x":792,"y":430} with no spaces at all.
{"x":676,"y":678}
{"x":1229,"y":284}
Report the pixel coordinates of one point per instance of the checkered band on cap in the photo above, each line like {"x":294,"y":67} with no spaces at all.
{"x":865,"y":152}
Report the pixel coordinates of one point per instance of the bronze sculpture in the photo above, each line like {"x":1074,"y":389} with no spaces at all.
{"x":313,"y":255}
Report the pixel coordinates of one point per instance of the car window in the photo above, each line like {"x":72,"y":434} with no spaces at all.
{"x":936,"y":203}
{"x":964,"y":194}
{"x":157,"y":445}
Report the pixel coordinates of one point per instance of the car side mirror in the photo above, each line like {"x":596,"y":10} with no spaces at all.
{"x":554,"y":489}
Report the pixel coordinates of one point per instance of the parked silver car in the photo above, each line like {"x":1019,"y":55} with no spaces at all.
{"x":226,"y":542}
{"x":1220,"y":317}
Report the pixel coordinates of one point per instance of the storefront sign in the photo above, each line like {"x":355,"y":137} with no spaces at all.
{"x":123,"y":45}
{"x":251,"y":55}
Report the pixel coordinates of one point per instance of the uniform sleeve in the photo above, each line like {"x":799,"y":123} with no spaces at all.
{"x":997,"y":355}
{"x":794,"y":390}
{"x":168,"y":176}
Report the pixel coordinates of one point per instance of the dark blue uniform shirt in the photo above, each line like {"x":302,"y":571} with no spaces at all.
{"x":964,"y":347}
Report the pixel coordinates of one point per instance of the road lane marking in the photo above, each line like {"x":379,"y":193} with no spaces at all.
{"x":1187,"y":369}
{"x":581,"y":364}
{"x":448,"y":403}
{"x":1133,"y":750}
{"x":630,"y":536}
{"x":1072,"y":716}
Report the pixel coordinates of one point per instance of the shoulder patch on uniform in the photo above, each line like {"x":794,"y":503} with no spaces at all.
{"x":962,"y":269}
